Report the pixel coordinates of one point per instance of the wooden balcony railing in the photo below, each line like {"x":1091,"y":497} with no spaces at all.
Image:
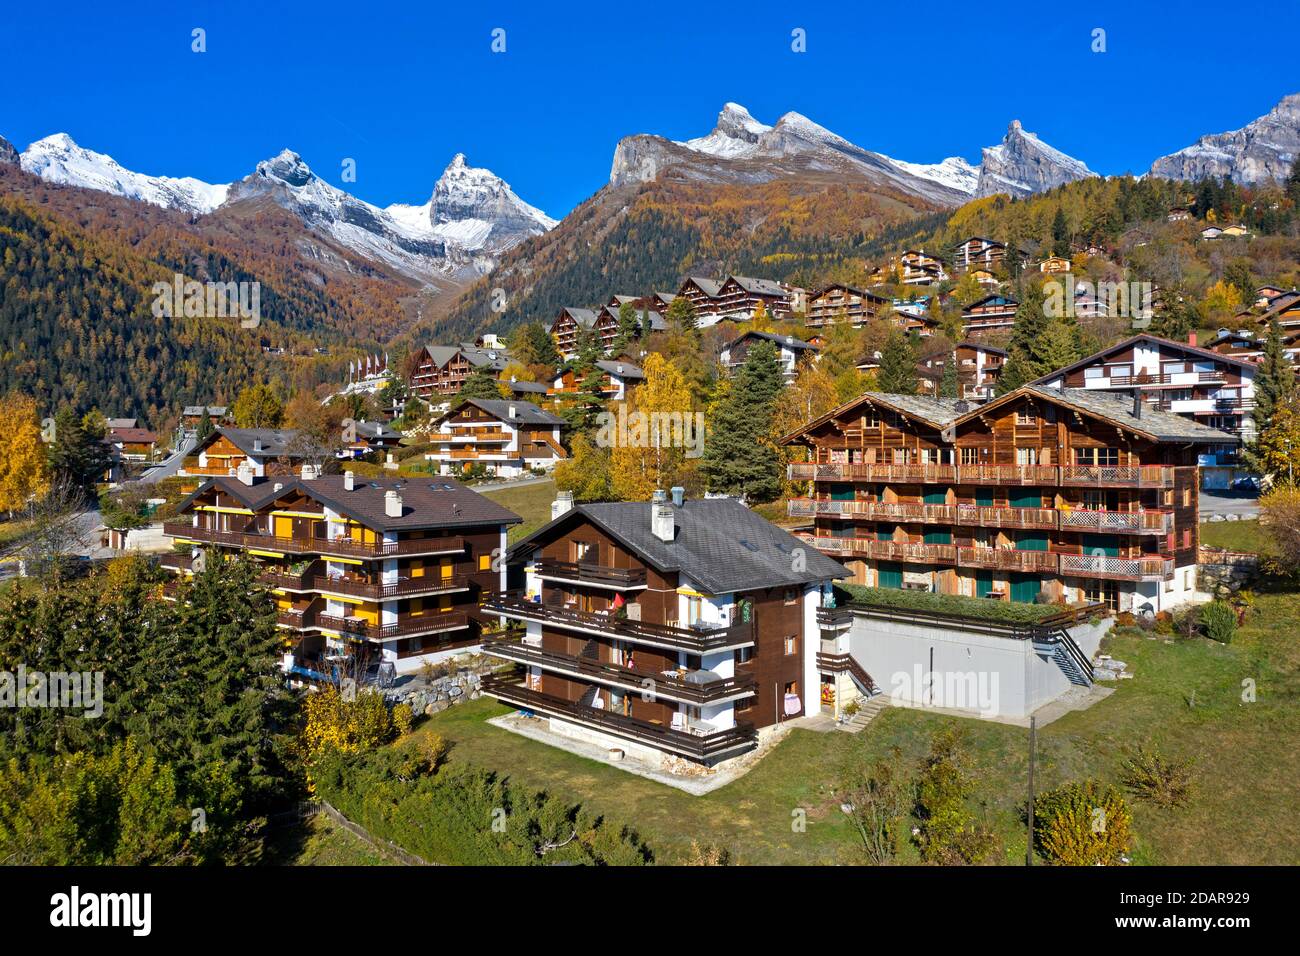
{"x":309,"y":545}
{"x":1008,"y":559}
{"x":695,"y":640}
{"x":298,"y":620}
{"x":703,"y":689}
{"x":1139,"y":476}
{"x":433,"y":622}
{"x":694,"y":743}
{"x":379,"y":591}
{"x":590,"y":573}
{"x":985,"y":516}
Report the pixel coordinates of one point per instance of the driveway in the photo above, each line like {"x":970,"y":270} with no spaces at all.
{"x":1243,"y":506}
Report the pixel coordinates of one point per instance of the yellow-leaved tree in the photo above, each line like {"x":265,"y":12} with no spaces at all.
{"x":24,"y":470}
{"x":656,"y":439}
{"x":812,"y":394}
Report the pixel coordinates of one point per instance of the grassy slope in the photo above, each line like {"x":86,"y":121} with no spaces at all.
{"x":1233,"y":535}
{"x":531,"y":502}
{"x":1185,"y":695}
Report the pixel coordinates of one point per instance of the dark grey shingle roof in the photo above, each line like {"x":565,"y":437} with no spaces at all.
{"x":625,"y":370}
{"x":426,"y":502}
{"x":719,"y":544}
{"x":525,"y":412}
{"x":272,"y":442}
{"x":937,"y":411}
{"x":1162,"y":425}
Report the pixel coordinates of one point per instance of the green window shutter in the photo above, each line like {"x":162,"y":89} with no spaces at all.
{"x":1107,"y":544}
{"x":984,"y":497}
{"x":1031,"y":541}
{"x":1024,"y":588}
{"x":891,"y":576}
{"x":983,"y":583}
{"x":841,"y":492}
{"x":1021,"y":498}
{"x":938,"y":537}
{"x":936,"y":497}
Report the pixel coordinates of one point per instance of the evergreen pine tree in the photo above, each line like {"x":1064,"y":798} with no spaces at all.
{"x":1275,"y":381}
{"x":479,"y":384}
{"x":897,"y":374}
{"x":1023,"y":364}
{"x":739,"y":458}
{"x":949,"y":386}
{"x":74,"y":455}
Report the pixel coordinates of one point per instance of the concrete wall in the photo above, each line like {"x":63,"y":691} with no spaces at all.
{"x":988,"y":675}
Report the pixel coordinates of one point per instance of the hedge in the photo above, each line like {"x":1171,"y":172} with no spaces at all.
{"x":955,"y":605}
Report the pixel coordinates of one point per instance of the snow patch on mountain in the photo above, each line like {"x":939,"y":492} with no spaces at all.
{"x":1023,"y":164}
{"x":1262,"y":150}
{"x":58,"y":159}
{"x":954,"y":172}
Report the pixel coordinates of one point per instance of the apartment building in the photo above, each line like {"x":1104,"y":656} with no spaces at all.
{"x":913,"y":267}
{"x":441,"y":370}
{"x":617,"y":379}
{"x":1072,"y":493}
{"x":737,"y":298}
{"x":1210,"y":387}
{"x":978,"y":367}
{"x":669,"y":629}
{"x":364,"y":572}
{"x":267,"y":451}
{"x":978,"y":252}
{"x":789,"y":351}
{"x":992,"y":313}
{"x":508,"y":438}
{"x":840,"y":302}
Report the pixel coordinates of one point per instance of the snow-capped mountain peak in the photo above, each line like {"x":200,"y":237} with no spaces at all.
{"x":954,"y":172}
{"x":1023,"y":164}
{"x":58,"y":159}
{"x":1264,"y":149}
{"x":736,"y":134}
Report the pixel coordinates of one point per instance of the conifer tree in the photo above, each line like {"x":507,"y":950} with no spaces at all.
{"x":739,"y":457}
{"x":949,"y":386}
{"x":897,"y":373}
{"x":479,"y":384}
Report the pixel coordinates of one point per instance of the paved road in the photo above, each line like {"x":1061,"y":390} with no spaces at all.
{"x":1224,"y":504}
{"x":169,"y":466}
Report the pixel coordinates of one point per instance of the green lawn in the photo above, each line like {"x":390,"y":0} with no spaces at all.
{"x":531,"y":502}
{"x":1234,"y":535}
{"x":1186,"y":696}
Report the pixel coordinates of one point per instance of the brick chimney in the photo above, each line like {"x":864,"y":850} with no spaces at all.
{"x":1191,"y":337}
{"x":662,"y":524}
{"x":392,"y":504}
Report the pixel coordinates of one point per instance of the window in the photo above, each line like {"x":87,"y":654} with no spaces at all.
{"x":744,"y":654}
{"x":791,"y":596}
{"x":970,"y":456}
{"x":1103,"y":593}
{"x":1026,"y":456}
{"x":1025,"y":415}
{"x":1187,"y":497}
{"x":485,"y":562}
{"x":1187,"y":538}
{"x":1169,"y":497}
{"x":791,"y":645}
{"x":871,"y":419}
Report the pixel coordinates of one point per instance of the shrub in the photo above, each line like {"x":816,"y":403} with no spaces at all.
{"x":877,"y":796}
{"x":948,"y":834}
{"x":1082,"y":824}
{"x":1166,"y":783}
{"x":708,"y":854}
{"x":1218,"y":621}
{"x":403,"y":718}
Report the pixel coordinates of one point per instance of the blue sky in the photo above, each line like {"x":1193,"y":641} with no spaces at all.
{"x":401,"y":87}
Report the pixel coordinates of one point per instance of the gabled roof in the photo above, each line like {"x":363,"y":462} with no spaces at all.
{"x":758,"y":286}
{"x":1279,"y":304}
{"x":984,"y":239}
{"x":866,"y":294}
{"x":981,"y":347}
{"x":132,"y":436}
{"x":935,"y":412}
{"x":122,"y":423}
{"x":667,"y":296}
{"x":1152,"y":423}
{"x":586,"y":318}
{"x":623,"y":370}
{"x":377,"y":430}
{"x":195,"y":410}
{"x":267,"y":442}
{"x":709,"y":287}
{"x":525,"y":412}
{"x":718,"y":543}
{"x":1133,"y":340}
{"x":997,"y":298}
{"x":534,"y":388}
{"x":784,"y":341}
{"x":426,"y":502}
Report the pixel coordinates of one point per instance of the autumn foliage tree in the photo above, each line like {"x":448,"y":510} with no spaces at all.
{"x":24,"y":471}
{"x":655,"y":450}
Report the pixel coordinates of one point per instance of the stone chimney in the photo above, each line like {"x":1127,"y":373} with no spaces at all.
{"x":348,"y":483}
{"x":392,"y":504}
{"x":662,"y":523}
{"x":244,"y":472}
{"x":562,"y":504}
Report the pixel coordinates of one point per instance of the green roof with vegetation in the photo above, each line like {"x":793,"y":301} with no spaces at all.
{"x":953,"y":605}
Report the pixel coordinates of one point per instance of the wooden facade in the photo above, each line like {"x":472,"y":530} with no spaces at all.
{"x":840,"y":302}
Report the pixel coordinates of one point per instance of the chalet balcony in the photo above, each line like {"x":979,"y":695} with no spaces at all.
{"x":981,"y":516}
{"x":834,"y":619}
{"x":688,"y":687}
{"x":1165,"y":378}
{"x":1120,"y":522}
{"x":381,"y":591}
{"x":578,"y":572}
{"x":345,"y":547}
{"x":1147,"y":568}
{"x":298,"y":620}
{"x":696,"y":742}
{"x":1104,"y":476}
{"x":434,"y":622}
{"x":907,"y":551}
{"x":840,"y":663}
{"x":694,"y":640}
{"x":1007,"y":559}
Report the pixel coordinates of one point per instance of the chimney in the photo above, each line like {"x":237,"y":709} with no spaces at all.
{"x":257,"y":445}
{"x":679,"y":496}
{"x":661,"y":516}
{"x":244,"y":473}
{"x":512,"y":411}
{"x":1191,"y":337}
{"x":562,"y":504}
{"x":347,"y":481}
{"x":392,"y":504}
{"x":1137,"y":404}
{"x":310,"y":472}
{"x":279,"y":486}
